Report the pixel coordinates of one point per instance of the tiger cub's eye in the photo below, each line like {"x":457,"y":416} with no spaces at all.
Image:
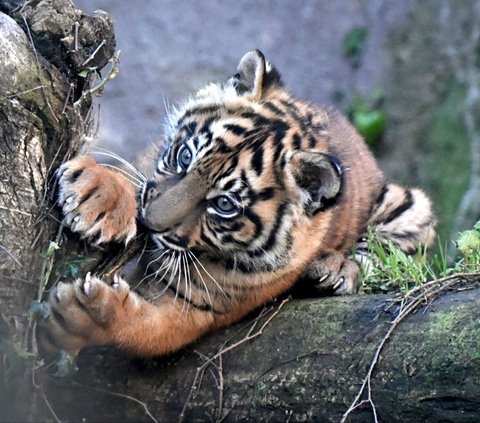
{"x":184,"y":157}
{"x":224,"y":206}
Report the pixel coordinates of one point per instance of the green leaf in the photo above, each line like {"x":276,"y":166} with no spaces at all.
{"x":73,"y":268}
{"x":469,"y":242}
{"x":477,"y":226}
{"x":370,"y":124}
{"x":84,"y":73}
{"x":354,"y":44}
{"x":52,"y":247}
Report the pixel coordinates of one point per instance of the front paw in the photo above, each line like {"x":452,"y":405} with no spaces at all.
{"x":97,"y":203}
{"x":335,"y":274}
{"x":84,"y":313}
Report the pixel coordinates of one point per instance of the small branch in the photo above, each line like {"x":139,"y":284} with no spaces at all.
{"x":10,"y":255}
{"x":120,"y":395}
{"x":111,"y":74}
{"x":52,"y":411}
{"x":25,"y":92}
{"x":16,"y":211}
{"x":92,"y":56}
{"x":77,"y":25}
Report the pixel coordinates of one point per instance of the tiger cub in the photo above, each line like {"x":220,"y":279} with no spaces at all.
{"x":253,"y":190}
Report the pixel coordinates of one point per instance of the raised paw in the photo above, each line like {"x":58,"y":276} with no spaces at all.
{"x":97,"y":203}
{"x":334,"y":273}
{"x":86,"y":312}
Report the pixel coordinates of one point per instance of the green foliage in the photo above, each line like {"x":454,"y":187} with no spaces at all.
{"x":74,"y":268}
{"x":390,"y":269}
{"x":354,"y":44}
{"x":368,"y":116}
{"x":50,"y":251}
{"x":87,"y":71}
{"x":468,"y":244}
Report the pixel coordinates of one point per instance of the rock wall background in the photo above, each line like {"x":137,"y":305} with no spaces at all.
{"x":422,"y":55}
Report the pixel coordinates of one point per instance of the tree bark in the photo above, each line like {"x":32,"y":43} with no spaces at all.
{"x":306,"y":365}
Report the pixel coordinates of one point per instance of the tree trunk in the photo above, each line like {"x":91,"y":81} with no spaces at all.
{"x":308,"y":362}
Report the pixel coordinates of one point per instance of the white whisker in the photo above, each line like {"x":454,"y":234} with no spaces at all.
{"x":121,"y":160}
{"x":131,"y":178}
{"x":211,"y":277}
{"x":203,"y":281}
{"x":167,"y":270}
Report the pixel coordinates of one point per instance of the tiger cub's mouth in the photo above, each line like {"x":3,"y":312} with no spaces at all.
{"x":166,"y":242}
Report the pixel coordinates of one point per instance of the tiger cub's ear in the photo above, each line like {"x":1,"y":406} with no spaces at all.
{"x":255,"y":75}
{"x":320,"y":176}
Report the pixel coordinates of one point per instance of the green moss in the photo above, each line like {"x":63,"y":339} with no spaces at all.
{"x":457,"y":331}
{"x":445,"y":170}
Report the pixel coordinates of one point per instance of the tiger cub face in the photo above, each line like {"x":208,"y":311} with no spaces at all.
{"x":243,"y":166}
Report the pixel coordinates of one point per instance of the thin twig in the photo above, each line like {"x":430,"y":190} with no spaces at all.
{"x":111,"y":74}
{"x":9,"y":253}
{"x":120,"y":395}
{"x":16,"y":211}
{"x":26,"y":91}
{"x":92,"y":56}
{"x":52,"y":411}
{"x":75,"y":45}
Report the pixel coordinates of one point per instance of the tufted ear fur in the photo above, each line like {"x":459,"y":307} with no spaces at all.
{"x":255,"y":75}
{"x":320,"y":176}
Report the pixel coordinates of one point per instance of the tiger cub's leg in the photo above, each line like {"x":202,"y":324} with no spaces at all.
{"x":90,"y":312}
{"x":333,"y":273}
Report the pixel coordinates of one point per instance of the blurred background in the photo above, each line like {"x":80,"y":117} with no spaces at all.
{"x":407,"y":74}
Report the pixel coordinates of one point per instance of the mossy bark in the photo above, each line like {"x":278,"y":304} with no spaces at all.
{"x":307,"y":365}
{"x":43,"y":47}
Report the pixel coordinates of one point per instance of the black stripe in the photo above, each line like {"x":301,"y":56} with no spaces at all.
{"x":297,"y":142}
{"x":272,"y":238}
{"x":75,"y":175}
{"x":99,"y":217}
{"x":236,"y":129}
{"x":408,"y":202}
{"x":257,"y":160}
{"x":270,"y":106}
{"x":88,"y":195}
{"x":197,"y":111}
{"x":265,"y":194}
{"x":255,"y":220}
{"x":294,"y":113}
{"x":189,"y":128}
{"x":382,"y":194}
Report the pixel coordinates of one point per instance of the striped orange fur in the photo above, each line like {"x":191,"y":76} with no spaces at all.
{"x":253,"y":189}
